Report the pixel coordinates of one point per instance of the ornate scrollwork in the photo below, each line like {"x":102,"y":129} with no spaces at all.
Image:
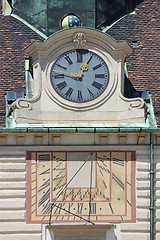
{"x":21,"y":103}
{"x":137,"y":103}
{"x":79,"y":40}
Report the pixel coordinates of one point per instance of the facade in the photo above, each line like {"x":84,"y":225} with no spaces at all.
{"x":80,"y":153}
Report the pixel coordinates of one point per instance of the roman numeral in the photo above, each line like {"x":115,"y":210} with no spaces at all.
{"x":90,"y":93}
{"x":97,"y":66}
{"x":58,"y":208}
{"x":68,"y":60}
{"x":58,"y":65}
{"x":58,"y":76}
{"x":69,"y":206}
{"x":79,"y":56}
{"x":118,"y":162}
{"x":44,"y":157}
{"x":92,"y":208}
{"x":79,"y":95}
{"x":99,"y":75}
{"x":80,"y":207}
{"x":118,"y":181}
{"x":62,"y":85}
{"x":97,"y":85}
{"x":69,"y":92}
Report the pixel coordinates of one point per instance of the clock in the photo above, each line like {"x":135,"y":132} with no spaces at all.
{"x":79,"y":75}
{"x":80,"y":186}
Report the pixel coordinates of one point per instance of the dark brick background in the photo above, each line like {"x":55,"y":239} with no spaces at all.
{"x":143,"y":64}
{"x":14,"y":37}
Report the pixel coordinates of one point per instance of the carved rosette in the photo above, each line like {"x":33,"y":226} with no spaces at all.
{"x":79,"y":40}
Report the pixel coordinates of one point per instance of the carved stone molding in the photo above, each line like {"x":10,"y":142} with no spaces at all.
{"x":79,"y":40}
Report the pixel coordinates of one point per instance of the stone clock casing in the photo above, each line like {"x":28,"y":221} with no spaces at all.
{"x":79,"y":73}
{"x":95,"y":186}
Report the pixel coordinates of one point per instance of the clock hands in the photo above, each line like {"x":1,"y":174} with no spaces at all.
{"x":79,"y":74}
{"x":83,"y":66}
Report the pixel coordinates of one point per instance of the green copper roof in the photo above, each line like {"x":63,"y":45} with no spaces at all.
{"x":45,"y":15}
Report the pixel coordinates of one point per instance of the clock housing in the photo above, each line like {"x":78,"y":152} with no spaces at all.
{"x":79,"y":81}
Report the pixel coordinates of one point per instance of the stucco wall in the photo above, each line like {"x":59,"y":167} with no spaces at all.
{"x":13,"y":186}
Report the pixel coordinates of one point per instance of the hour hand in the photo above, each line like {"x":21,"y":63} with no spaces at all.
{"x":69,"y":73}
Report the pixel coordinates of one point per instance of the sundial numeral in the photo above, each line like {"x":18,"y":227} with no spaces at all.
{"x":58,"y":207}
{"x":44,"y":157}
{"x":93,"y":208}
{"x":69,"y":206}
{"x":79,"y":208}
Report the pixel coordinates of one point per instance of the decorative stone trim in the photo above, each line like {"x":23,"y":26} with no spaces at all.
{"x":38,"y":140}
{"x":141,"y":139}
{"x":3,"y":140}
{"x":158,"y":139}
{"x":20,"y":140}
{"x":122,"y":139}
{"x":56,"y":139}
{"x":103,"y":139}
{"x":79,"y":40}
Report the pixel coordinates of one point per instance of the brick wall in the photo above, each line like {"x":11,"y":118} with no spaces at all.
{"x":144,"y":63}
{"x":14,"y":37}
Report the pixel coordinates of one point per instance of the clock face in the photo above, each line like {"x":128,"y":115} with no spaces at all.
{"x":79,"y":75}
{"x":80,"y":186}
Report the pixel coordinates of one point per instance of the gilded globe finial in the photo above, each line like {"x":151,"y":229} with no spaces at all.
{"x":70,"y":20}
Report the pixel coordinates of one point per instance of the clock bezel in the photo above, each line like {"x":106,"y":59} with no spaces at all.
{"x":81,"y":106}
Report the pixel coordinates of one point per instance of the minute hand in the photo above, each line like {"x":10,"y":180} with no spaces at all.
{"x":79,"y":74}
